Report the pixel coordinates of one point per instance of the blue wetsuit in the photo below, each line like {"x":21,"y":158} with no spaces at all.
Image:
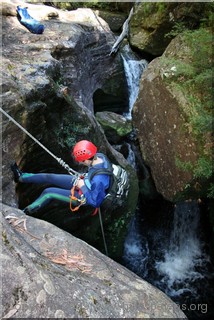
{"x":94,"y":192}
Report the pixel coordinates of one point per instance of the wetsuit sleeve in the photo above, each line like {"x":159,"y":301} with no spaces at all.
{"x":95,"y":195}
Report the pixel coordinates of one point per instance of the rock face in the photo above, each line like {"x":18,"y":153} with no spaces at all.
{"x":160,"y":116}
{"x":50,"y":274}
{"x":152,"y":21}
{"x":48,"y":85}
{"x":115,"y":126}
{"x":114,"y":20}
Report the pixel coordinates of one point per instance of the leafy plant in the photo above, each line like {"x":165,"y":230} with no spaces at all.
{"x":185,"y":166}
{"x":203,"y":168}
{"x":178,"y":28}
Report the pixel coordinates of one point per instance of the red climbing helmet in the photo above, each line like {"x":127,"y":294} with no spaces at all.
{"x":84,"y":150}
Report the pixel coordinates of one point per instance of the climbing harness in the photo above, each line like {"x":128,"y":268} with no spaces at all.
{"x":81,"y":200}
{"x":59,"y":160}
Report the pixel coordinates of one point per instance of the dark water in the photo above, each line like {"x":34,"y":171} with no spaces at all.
{"x":166,"y":246}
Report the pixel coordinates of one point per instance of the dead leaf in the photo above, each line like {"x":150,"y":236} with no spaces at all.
{"x":70,"y":262}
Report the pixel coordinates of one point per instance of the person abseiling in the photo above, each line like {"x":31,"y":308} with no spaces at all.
{"x":76,"y":190}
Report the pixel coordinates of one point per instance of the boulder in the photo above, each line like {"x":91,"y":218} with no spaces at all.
{"x":48,"y":273}
{"x":115,"y":126}
{"x":115,"y":20}
{"x":162,"y":118}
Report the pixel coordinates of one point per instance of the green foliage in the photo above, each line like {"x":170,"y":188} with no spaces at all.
{"x":201,"y":119}
{"x":161,"y":6}
{"x":185,"y":166}
{"x":177,"y":29}
{"x":181,"y":70}
{"x":200,"y":43}
{"x":203,"y":168}
{"x":147,"y":8}
{"x":150,"y":8}
{"x":207,"y":20}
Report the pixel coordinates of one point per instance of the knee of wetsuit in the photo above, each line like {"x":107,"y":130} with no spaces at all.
{"x":47,"y":191}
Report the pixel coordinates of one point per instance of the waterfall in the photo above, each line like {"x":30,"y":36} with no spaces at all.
{"x":133,"y":70}
{"x":184,"y":259}
{"x":172,"y":255}
{"x":136,"y":249}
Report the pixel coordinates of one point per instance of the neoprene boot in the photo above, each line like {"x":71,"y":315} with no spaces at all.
{"x":29,"y":211}
{"x":26,"y":211}
{"x":16,"y":172}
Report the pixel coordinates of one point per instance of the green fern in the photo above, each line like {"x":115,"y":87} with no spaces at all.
{"x":203,"y":168}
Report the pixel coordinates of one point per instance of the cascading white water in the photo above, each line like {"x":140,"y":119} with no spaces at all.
{"x":176,"y":262}
{"x":133,"y":70}
{"x":185,"y":252}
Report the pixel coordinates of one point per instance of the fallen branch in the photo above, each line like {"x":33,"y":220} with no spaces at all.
{"x":123,"y":34}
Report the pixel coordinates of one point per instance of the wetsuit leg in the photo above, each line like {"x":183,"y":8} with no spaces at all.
{"x":48,"y":195}
{"x":64,"y":181}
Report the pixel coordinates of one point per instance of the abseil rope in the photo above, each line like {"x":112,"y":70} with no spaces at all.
{"x":103,"y":234}
{"x":59,"y":160}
